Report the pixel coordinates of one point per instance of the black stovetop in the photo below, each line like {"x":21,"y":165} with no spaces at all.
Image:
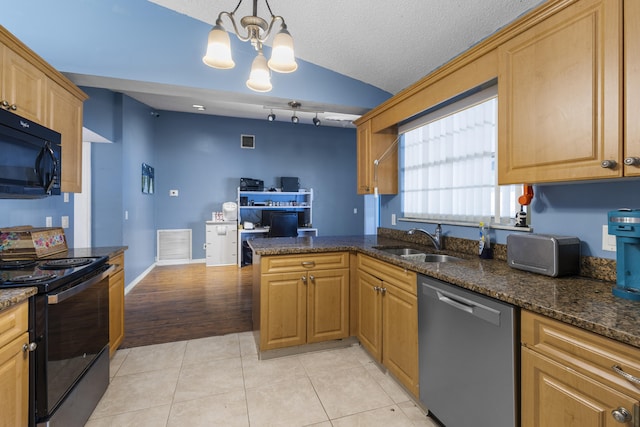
{"x":46,"y":274}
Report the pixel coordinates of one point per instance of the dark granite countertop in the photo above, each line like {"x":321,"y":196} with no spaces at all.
{"x":586,"y":303}
{"x":10,"y":297}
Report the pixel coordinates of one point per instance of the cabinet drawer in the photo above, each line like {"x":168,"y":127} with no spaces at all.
{"x":13,"y":322}
{"x":118,"y":261}
{"x":588,"y":353}
{"x":304,"y":262}
{"x":402,"y":278}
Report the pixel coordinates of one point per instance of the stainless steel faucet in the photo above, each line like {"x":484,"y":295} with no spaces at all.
{"x":436,"y":238}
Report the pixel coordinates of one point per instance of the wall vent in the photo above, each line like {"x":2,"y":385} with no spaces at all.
{"x":174,"y":246}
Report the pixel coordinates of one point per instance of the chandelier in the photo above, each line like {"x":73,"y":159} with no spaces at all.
{"x":257,"y":31}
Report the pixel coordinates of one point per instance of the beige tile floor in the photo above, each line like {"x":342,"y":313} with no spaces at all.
{"x":219,"y":381}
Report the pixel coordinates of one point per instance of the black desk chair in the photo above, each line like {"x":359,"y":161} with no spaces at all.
{"x":284,"y":224}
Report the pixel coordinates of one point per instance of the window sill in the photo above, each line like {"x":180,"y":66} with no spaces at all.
{"x":528,"y":229}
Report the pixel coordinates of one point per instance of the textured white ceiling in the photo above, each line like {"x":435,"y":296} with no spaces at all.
{"x":388,"y":44}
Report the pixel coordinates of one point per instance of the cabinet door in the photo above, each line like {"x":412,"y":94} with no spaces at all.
{"x":65,"y":116}
{"x":365,"y":162}
{"x":370,"y":314}
{"x":327,"y":305}
{"x":555,"y":396}
{"x":14,"y":383}
{"x":632,"y":86}
{"x":559,"y":91}
{"x":400,"y":335}
{"x":116,"y":311}
{"x":22,"y":85}
{"x":283,"y":308}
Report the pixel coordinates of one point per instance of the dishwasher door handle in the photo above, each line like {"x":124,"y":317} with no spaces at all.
{"x":472,"y":307}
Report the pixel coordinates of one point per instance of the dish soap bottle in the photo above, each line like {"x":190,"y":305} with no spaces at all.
{"x":484,"y":245}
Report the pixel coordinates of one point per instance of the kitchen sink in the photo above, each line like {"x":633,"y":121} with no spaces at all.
{"x":417,"y":255}
{"x":400,"y":251}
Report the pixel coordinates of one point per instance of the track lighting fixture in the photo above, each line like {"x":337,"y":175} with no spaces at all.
{"x":294,"y":105}
{"x":271,"y":117}
{"x":316,"y":121}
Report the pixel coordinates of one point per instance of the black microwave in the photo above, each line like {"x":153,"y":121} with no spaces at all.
{"x":30,"y":158}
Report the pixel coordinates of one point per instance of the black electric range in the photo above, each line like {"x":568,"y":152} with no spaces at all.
{"x":47,"y":274}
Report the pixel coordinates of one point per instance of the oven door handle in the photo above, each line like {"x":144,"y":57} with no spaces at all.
{"x":66,"y":294}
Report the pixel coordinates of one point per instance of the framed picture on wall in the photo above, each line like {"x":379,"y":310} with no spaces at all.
{"x":147,"y":179}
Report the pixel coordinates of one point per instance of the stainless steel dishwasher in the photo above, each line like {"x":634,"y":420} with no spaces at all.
{"x":468,"y":356}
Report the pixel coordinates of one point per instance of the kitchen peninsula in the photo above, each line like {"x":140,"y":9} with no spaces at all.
{"x":582,"y":302}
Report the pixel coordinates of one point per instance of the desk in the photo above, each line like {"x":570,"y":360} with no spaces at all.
{"x":244,"y":234}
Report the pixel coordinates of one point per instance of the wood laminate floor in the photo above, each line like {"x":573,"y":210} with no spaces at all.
{"x":190,"y":301}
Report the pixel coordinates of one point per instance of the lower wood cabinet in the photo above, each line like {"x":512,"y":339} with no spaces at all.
{"x":116,"y":303}
{"x":388,"y":318}
{"x":303,"y":299}
{"x":14,"y":366}
{"x":569,"y":380}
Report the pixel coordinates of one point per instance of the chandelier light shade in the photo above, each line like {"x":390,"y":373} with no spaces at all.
{"x":257,"y":31}
{"x":219,"y":49}
{"x":259,"y":78}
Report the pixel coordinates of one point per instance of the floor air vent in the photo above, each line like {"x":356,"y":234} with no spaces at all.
{"x":174,"y":246}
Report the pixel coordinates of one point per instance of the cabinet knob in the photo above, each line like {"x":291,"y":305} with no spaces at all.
{"x":383,"y":290}
{"x":376,"y":288}
{"x":609,"y":164}
{"x":621,"y":415}
{"x":632,"y":161}
{"x":29,"y":347}
{"x":313,"y":279}
{"x":304,"y":279}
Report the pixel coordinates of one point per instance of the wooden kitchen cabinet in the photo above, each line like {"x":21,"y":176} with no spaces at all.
{"x":14,"y":366}
{"x":388,"y":318}
{"x":116,"y":303}
{"x":560,"y":97}
{"x":632,"y":87}
{"x":304,"y":299}
{"x":64,"y":115}
{"x":370,"y":147}
{"x":34,"y":90}
{"x":567,"y":377}
{"x":22,"y":87}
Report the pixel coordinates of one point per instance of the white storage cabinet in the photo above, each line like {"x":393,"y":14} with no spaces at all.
{"x":221,"y":243}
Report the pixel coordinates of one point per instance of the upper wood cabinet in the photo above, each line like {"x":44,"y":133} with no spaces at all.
{"x":31,"y":88}
{"x":632,"y":87}
{"x":560,"y":100}
{"x":64,"y":115}
{"x":373,"y":146}
{"x":22,"y":87}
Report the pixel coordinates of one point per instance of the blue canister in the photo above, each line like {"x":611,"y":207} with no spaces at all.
{"x":625,"y":225}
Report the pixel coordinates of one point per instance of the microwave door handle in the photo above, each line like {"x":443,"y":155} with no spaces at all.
{"x":54,"y":166}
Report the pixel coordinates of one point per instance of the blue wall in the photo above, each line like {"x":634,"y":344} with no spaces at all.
{"x":578,"y":209}
{"x":200,"y":156}
{"x":34,"y":212}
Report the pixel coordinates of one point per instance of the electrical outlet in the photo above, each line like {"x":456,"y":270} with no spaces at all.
{"x":355,"y":211}
{"x":48,"y":221}
{"x":393,"y":219}
{"x":608,"y":241}
{"x":65,"y":222}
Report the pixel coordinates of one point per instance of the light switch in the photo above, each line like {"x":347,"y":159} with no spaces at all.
{"x":65,"y":222}
{"x":608,"y":241}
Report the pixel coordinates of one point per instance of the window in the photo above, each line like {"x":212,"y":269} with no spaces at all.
{"x":448,"y":164}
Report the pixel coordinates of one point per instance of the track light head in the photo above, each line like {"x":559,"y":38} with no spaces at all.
{"x":316,"y":121}
{"x":271,"y":117}
{"x":294,"y":119}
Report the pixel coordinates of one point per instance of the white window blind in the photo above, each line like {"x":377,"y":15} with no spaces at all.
{"x":449,"y":164}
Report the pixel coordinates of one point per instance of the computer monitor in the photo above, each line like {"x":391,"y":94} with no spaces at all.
{"x":284,"y":224}
{"x":303,"y":216}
